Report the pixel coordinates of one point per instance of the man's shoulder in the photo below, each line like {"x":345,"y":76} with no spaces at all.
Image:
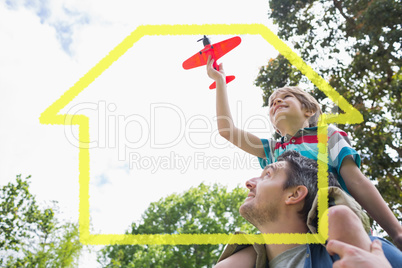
{"x":316,"y":254}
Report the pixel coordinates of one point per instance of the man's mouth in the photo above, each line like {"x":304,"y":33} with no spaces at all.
{"x":250,"y":195}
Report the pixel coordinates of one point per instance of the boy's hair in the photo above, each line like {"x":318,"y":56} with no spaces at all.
{"x":307,"y":101}
{"x":303,"y":171}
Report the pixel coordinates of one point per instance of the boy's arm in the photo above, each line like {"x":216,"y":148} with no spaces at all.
{"x":370,"y":199}
{"x":242,"y":139}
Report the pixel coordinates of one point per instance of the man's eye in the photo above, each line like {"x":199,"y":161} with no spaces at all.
{"x":288,"y":96}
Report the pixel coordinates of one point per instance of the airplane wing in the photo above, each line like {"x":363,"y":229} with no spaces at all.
{"x":219,"y":49}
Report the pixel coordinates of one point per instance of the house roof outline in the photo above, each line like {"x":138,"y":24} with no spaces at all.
{"x":51,"y":116}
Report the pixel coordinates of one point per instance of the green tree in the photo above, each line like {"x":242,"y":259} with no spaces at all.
{"x":200,"y":210}
{"x":356,"y":46}
{"x":31,"y":236}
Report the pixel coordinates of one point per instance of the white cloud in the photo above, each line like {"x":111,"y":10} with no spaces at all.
{"x":60,"y":15}
{"x":40,"y":72}
{"x":34,"y":73}
{"x":39,"y":62}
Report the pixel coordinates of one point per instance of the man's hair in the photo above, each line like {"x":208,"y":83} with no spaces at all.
{"x":303,"y":171}
{"x":307,"y":101}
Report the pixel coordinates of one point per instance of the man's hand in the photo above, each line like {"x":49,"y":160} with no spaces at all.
{"x":354,"y":257}
{"x":214,"y":74}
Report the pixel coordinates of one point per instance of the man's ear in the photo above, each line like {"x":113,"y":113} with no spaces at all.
{"x":296,"y":195}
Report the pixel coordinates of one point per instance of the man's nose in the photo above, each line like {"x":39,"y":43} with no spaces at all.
{"x":251,"y":183}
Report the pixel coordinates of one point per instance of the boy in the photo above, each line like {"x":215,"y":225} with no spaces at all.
{"x":294,"y":115}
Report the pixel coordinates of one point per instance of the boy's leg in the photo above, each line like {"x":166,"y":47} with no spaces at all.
{"x":345,"y":226}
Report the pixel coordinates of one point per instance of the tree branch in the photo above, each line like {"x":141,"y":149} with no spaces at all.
{"x":395,"y":181}
{"x":338,"y":5}
{"x":364,"y":10}
{"x":352,"y":20}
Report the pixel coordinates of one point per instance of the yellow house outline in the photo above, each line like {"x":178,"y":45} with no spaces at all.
{"x":51,"y":116}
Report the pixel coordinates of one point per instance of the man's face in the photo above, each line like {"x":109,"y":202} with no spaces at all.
{"x":266,"y":195}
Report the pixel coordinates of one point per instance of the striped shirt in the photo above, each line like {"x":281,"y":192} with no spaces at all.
{"x":305,"y":142}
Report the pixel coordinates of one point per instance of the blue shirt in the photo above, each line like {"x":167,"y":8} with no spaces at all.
{"x":317,"y":255}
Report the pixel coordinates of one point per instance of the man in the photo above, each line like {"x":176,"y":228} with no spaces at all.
{"x":281,"y":201}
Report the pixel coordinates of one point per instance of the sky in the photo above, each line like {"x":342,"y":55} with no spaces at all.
{"x":152,"y":123}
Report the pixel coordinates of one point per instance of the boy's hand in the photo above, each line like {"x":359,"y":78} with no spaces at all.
{"x":214,"y":74}
{"x":354,"y":257}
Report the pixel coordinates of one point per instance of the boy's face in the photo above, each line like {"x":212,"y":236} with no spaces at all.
{"x":285,"y":108}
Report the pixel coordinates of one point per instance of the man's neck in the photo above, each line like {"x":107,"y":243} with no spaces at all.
{"x":291,"y":226}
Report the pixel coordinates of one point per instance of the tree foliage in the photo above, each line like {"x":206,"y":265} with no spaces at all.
{"x":201,"y":210}
{"x":356,"y":46}
{"x":31,"y":236}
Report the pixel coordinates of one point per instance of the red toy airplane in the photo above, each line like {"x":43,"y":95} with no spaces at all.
{"x":216,"y":51}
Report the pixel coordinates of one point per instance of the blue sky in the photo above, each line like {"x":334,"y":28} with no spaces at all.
{"x":64,"y":21}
